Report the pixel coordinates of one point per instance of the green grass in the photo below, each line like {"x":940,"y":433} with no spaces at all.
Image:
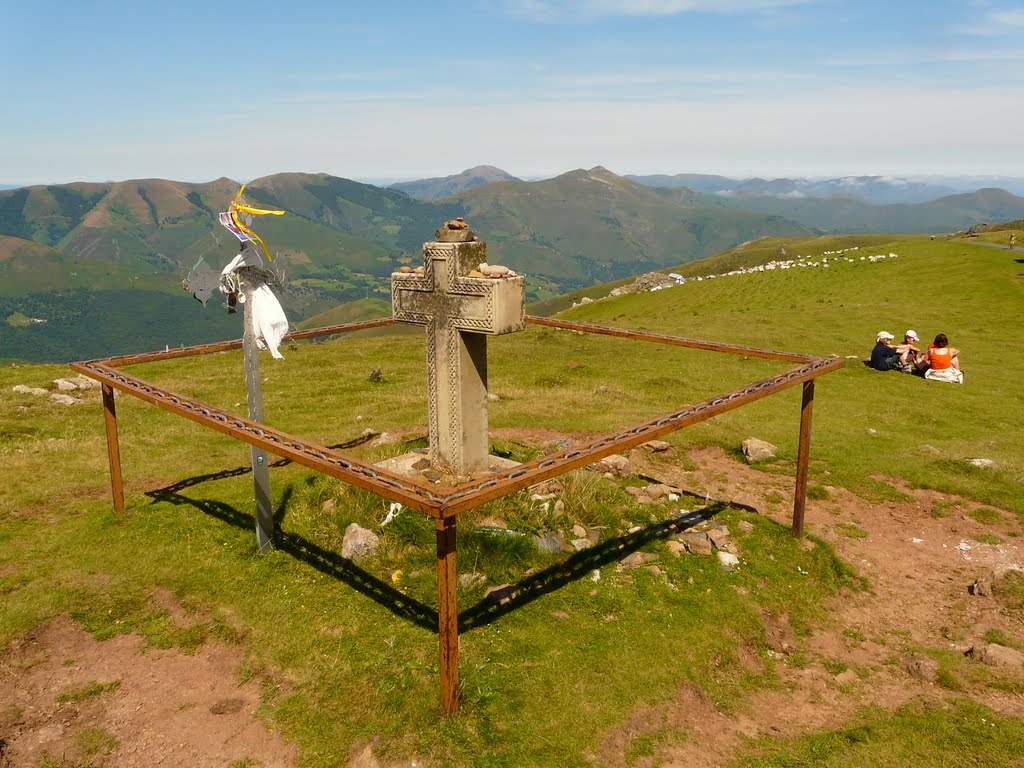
{"x":951,"y":734}
{"x":77,"y":693}
{"x":575,"y":658}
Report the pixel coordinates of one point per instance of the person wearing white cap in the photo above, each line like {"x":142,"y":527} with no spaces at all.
{"x":910,"y":355}
{"x":884,"y":356}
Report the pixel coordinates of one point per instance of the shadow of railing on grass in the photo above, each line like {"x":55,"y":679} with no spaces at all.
{"x":325,"y":561}
{"x":577,"y":566}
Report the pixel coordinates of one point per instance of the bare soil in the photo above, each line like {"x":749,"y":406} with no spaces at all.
{"x":153,"y":707}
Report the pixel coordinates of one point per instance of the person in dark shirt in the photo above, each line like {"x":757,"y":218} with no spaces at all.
{"x":884,"y":357}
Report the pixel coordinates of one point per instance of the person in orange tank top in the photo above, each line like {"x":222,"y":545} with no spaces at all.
{"x":943,"y":361}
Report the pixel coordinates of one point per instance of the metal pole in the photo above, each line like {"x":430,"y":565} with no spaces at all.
{"x":113,"y":448}
{"x":260,"y":468}
{"x":447,"y":614}
{"x":802,"y":458}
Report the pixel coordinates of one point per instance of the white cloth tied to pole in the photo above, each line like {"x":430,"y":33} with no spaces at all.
{"x":269,"y":322}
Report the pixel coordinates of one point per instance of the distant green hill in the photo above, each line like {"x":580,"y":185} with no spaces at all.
{"x":436,"y":188}
{"x":339,"y":242}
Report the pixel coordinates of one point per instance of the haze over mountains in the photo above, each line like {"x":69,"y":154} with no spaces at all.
{"x":102,"y":263}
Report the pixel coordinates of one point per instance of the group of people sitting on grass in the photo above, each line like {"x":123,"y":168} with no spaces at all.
{"x":939,"y":362}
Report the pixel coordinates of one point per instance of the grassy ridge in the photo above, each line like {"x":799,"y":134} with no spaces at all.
{"x":959,"y":289}
{"x":554,"y":680}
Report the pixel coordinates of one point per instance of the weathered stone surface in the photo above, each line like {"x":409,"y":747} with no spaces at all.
{"x":922,"y":668}
{"x":846,"y":677}
{"x":616,"y":464}
{"x":84,"y":382}
{"x":558,"y":507}
{"x":656,"y":446}
{"x":63,"y":385}
{"x":728,"y":559}
{"x":580,"y":544}
{"x":501,"y":594}
{"x":359,"y":542}
{"x":997,"y":655}
{"x":595,"y":534}
{"x":459,"y":313}
{"x":697,"y":543}
{"x":758,"y":450}
{"x":677,"y":548}
{"x":21,"y":389}
{"x":637,"y":560}
{"x":659,"y":490}
{"x":550,"y":543}
{"x":748,"y":502}
{"x":64,"y":399}
{"x":472,"y":579}
{"x":746,"y":526}
{"x":982,"y":586}
{"x":719,"y":537}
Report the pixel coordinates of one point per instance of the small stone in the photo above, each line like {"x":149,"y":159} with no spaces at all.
{"x":747,"y":502}
{"x":656,"y":446}
{"x":982,"y":462}
{"x":64,"y":399}
{"x":580,"y":544}
{"x":421,"y":464}
{"x":63,"y":385}
{"x":328,"y":505}
{"x":559,"y":507}
{"x":728,"y":559}
{"x":21,"y":389}
{"x":595,"y":534}
{"x":84,"y":382}
{"x":616,"y":464}
{"x":922,"y":668}
{"x":405,"y":270}
{"x":846,"y":677}
{"x":997,"y":655}
{"x":636,"y":560}
{"x":500,"y":595}
{"x":659,"y":490}
{"x":719,"y":537}
{"x":982,"y":586}
{"x":549,"y":543}
{"x":697,"y":543}
{"x":472,"y":579}
{"x":746,"y":526}
{"x":476,"y":273}
{"x":359,"y":543}
{"x":227,"y":707}
{"x":677,"y":548}
{"x":758,"y":450}
{"x":643,"y":499}
{"x":491,"y":397}
{"x":431,"y":475}
{"x":579,"y":531}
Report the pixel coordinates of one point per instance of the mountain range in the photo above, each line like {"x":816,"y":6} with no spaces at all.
{"x":102,"y":263}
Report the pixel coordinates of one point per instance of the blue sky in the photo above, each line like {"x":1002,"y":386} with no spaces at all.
{"x":396,"y":90}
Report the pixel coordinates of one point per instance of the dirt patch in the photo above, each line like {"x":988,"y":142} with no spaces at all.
{"x":920,"y":558}
{"x":118,"y":703}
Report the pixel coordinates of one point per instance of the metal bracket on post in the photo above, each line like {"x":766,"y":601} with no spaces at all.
{"x":260,"y":469}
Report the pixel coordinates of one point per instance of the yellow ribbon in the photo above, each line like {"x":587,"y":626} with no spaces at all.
{"x":239,"y":206}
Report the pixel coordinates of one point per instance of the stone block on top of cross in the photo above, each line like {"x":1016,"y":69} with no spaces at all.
{"x":459,"y":311}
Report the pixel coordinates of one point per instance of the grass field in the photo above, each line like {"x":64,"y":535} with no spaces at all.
{"x":348,"y":655}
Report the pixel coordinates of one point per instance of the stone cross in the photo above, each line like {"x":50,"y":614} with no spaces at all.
{"x":459,"y":311}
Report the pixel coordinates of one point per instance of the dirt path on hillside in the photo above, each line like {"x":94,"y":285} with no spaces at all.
{"x":921,"y":559}
{"x":120,"y":703}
